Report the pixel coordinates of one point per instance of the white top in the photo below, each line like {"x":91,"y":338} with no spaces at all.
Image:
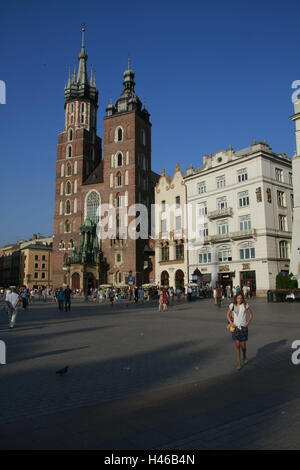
{"x":12,"y":298}
{"x":239,"y":314}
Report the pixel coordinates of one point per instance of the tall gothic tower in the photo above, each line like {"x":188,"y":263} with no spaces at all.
{"x":78,"y":155}
{"x":82,"y":256}
{"x":127,"y":171}
{"x":295,"y":252}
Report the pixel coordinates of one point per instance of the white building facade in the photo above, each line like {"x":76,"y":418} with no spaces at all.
{"x":170,"y":246}
{"x":240,"y":217}
{"x":295,"y":254}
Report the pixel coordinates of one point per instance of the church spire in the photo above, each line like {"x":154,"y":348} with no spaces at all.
{"x":82,"y":76}
{"x":80,"y":86}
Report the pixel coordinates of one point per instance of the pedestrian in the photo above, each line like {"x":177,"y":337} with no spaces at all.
{"x":67,"y":298}
{"x":189,"y":292}
{"x":86,"y":295}
{"x":215,"y":295}
{"x":171,"y":295}
{"x":178,"y":293}
{"x":60,"y":299}
{"x":163,"y":300}
{"x":136,"y":295}
{"x":111,"y":295}
{"x":238,"y":326}
{"x":24,"y":296}
{"x":219,"y":295}
{"x":245,"y":291}
{"x":141,"y":295}
{"x":12,"y":300}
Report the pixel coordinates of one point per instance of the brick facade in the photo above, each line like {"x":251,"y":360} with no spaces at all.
{"x":124,"y":170}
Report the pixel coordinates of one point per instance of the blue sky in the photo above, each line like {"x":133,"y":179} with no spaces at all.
{"x":212,"y":74}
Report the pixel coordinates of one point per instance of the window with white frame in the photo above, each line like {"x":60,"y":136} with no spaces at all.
{"x":163,"y":206}
{"x":165,"y":252}
{"x":222,"y":203}
{"x":163,"y":225}
{"x":245,"y":222}
{"x":221,"y":181}
{"x":204,"y":258}
{"x":178,"y":222}
{"x":281,"y":199}
{"x":279,"y":175}
{"x":68,"y":188}
{"x":291,"y":178}
{"x":202,"y":208}
{"x":92,"y":206}
{"x":119,"y":134}
{"x":284,"y":249}
{"x":119,"y":159}
{"x":242,"y":175}
{"x":224,"y":254}
{"x":203,"y":230}
{"x":202,"y":187}
{"x":283,"y":223}
{"x":118,"y":179}
{"x":243,"y":199}
{"x":247,"y":251}
{"x":69,"y":169}
{"x":67,"y":207}
{"x":223,"y":227}
{"x":69,"y":151}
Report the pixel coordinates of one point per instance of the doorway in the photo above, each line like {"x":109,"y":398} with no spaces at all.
{"x":248,"y":278}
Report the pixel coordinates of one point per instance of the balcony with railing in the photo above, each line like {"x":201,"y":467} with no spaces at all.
{"x":219,"y":213}
{"x":230,"y":236}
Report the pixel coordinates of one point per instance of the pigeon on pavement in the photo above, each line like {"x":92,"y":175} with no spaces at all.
{"x":63,"y":371}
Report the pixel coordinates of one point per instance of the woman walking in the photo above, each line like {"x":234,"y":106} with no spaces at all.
{"x":238,"y":325}
{"x":163,"y":300}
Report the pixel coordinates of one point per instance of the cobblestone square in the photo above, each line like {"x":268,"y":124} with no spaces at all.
{"x":143,"y":379}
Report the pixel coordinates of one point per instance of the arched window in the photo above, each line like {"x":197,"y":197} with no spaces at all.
{"x":224,"y":253}
{"x":61,"y":245}
{"x":74,"y":225}
{"x":62,"y":170}
{"x":118,"y":179}
{"x":69,"y":169}
{"x":70,"y":134}
{"x":118,"y":134}
{"x":284,"y":251}
{"x":247,"y":250}
{"x":143,"y":136}
{"x":119,"y":159}
{"x":69,"y":151}
{"x":67,"y":227}
{"x":92,"y":206}
{"x":71,"y":244}
{"x":68,"y":188}
{"x":165,"y":252}
{"x":118,"y":200}
{"x":68,"y":207}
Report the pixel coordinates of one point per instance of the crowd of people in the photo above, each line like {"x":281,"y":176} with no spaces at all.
{"x":236,"y":315}
{"x":221,"y":292}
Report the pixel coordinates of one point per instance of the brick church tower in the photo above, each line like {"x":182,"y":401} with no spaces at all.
{"x":82,"y":256}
